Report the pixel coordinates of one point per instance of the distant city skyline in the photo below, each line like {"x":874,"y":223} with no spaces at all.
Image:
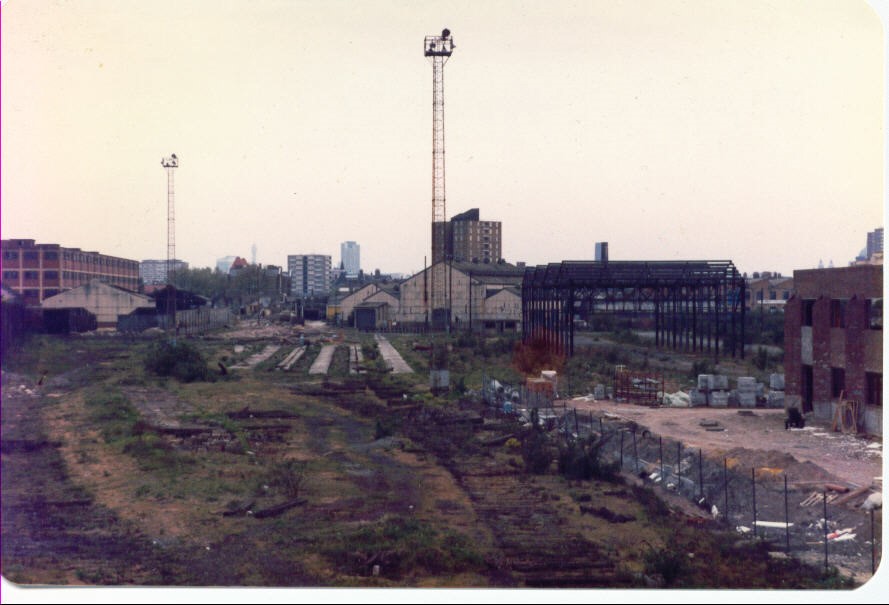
{"x":750,"y":132}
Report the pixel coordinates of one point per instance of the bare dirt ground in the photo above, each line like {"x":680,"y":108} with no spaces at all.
{"x":850,"y":459}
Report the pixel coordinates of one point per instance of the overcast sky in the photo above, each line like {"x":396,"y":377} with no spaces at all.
{"x":749,"y":131}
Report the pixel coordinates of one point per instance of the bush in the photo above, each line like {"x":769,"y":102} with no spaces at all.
{"x":385,"y":427}
{"x":671,"y":565}
{"x":177,"y":359}
{"x":536,"y":451}
{"x":578,"y":461}
{"x":288,"y":478}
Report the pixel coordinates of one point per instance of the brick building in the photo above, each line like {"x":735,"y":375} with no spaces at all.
{"x":468,"y":239}
{"x":38,"y":271}
{"x":769,"y":293}
{"x":833,"y":342}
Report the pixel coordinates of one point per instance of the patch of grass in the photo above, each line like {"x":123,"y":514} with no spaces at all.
{"x":112,"y":412}
{"x":402,"y":546}
{"x":153,"y":453}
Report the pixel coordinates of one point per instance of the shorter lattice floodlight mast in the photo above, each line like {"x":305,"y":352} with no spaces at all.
{"x":170,"y":164}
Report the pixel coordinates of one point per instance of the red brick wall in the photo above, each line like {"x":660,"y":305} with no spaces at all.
{"x":866,"y":281}
{"x":857,"y":349}
{"x":793,"y":320}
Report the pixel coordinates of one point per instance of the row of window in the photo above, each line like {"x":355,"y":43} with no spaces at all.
{"x":73,"y":256}
{"x":873,"y":311}
{"x":773,"y":295}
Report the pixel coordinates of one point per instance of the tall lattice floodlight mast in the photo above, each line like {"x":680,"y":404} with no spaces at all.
{"x":438,"y":49}
{"x":170,"y":164}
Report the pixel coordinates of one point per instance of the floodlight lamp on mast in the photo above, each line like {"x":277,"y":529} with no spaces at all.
{"x":170,"y":164}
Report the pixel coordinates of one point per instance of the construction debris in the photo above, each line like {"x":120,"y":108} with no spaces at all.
{"x":873,"y":501}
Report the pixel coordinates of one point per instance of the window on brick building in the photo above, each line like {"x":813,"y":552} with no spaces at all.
{"x":837,"y":382}
{"x":10,"y":255}
{"x":874,"y":310}
{"x":808,"y":305}
{"x":838,"y":314}
{"x":32,"y":255}
{"x":51,"y":256}
{"x":10,"y":275}
{"x":874,"y":388}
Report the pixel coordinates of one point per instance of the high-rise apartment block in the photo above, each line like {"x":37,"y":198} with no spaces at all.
{"x":155,"y":271}
{"x":309,"y":274}
{"x":874,"y":242}
{"x":350,"y":256}
{"x":469,"y":239}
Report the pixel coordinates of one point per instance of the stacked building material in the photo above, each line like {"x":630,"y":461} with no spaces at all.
{"x":715,"y":387}
{"x":775,"y":397}
{"x":747,"y":392}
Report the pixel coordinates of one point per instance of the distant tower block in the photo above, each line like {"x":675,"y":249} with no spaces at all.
{"x":438,"y":49}
{"x":170,"y":164}
{"x":253,"y":254}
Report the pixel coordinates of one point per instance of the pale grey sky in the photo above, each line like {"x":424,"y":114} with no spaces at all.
{"x":750,"y":131}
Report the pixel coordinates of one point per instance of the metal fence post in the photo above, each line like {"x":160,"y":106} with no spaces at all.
{"x":660,"y":443}
{"x":825,"y":530}
{"x":786,"y":517}
{"x":679,"y":468}
{"x":701,"y":471}
{"x":725,"y":485}
{"x":635,"y":453}
{"x":622,"y":450}
{"x":753,"y":480}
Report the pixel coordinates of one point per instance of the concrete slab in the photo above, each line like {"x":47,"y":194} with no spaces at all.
{"x":392,"y":357}
{"x":322,"y":362}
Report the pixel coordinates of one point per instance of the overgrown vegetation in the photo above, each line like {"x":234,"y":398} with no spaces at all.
{"x":530,"y":358}
{"x":583,"y":460}
{"x":178,"y":359}
{"x":402,"y":546}
{"x":112,"y":412}
{"x":288,"y":478}
{"x":537,"y":450}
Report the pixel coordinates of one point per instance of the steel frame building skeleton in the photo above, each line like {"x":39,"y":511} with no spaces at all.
{"x":696,"y":305}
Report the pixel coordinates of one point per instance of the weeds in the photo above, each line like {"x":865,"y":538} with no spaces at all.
{"x":670,"y":564}
{"x":178,"y":359}
{"x":288,"y":478}
{"x":401,"y":546}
